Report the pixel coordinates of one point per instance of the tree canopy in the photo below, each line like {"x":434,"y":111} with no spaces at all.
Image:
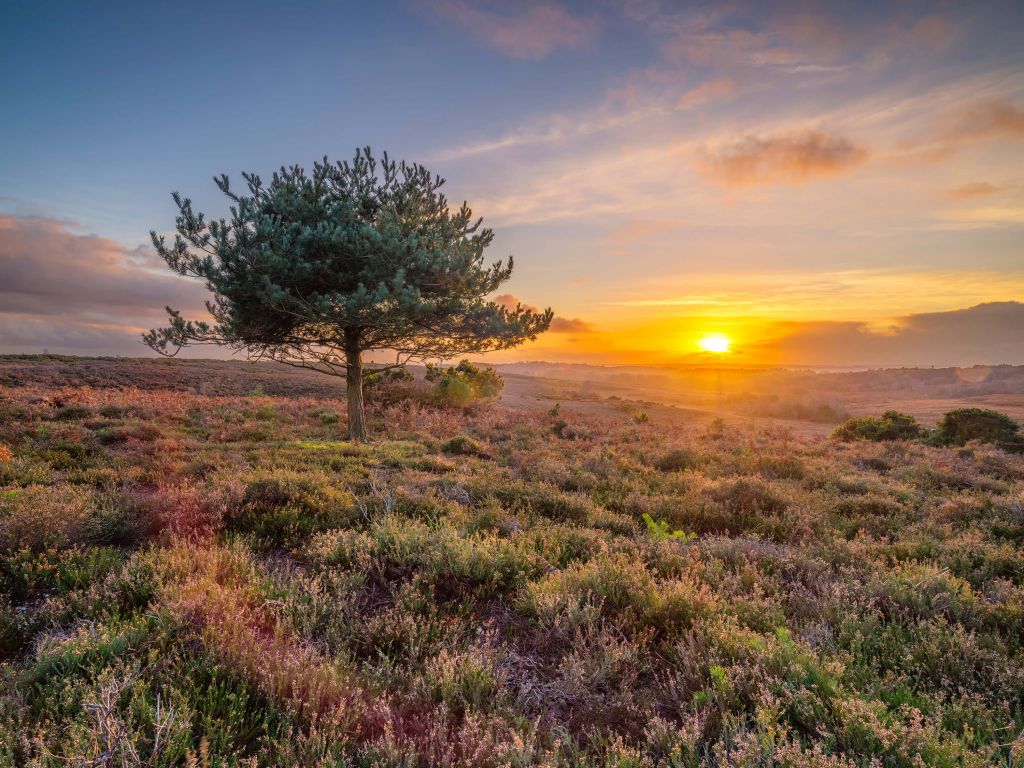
{"x":313,"y":270}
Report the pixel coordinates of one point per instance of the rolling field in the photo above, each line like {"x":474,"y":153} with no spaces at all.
{"x":196,"y":570}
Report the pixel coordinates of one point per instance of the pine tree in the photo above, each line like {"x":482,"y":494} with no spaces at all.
{"x":314,"y":270}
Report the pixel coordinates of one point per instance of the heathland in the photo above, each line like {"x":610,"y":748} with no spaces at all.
{"x":606,"y":568}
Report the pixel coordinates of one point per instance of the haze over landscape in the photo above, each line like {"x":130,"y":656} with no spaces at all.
{"x":832,"y":184}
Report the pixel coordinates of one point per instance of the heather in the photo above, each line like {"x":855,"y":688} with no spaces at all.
{"x":196,"y":570}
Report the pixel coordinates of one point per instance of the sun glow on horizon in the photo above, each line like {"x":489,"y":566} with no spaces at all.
{"x":716,"y":343}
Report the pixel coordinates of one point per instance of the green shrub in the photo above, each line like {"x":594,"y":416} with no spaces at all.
{"x":287,"y":508}
{"x":123,"y":433}
{"x":463,"y":445}
{"x":749,"y":497}
{"x":963,"y":424}
{"x":460,"y":385}
{"x":892,"y":425}
{"x":677,"y":460}
{"x":72,"y":413}
{"x":401,"y":375}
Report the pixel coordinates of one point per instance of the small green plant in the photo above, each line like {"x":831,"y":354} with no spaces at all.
{"x":641,"y":417}
{"x":328,"y":418}
{"x":659,"y":529}
{"x":555,"y":410}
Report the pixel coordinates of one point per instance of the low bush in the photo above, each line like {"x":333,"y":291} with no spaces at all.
{"x":463,"y":445}
{"x":891,"y":425}
{"x":374,"y":378}
{"x":961,"y":425}
{"x":677,"y":460}
{"x":463,"y":384}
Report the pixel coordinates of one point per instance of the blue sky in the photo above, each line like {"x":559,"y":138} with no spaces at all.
{"x":658,"y":169}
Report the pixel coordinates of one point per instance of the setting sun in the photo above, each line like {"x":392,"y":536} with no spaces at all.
{"x":717,"y":343}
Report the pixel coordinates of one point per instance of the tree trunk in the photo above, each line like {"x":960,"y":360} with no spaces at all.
{"x":354,"y":385}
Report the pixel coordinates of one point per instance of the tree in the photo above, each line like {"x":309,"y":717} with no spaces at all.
{"x":314,"y":270}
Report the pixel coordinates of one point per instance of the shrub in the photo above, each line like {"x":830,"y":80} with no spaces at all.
{"x":287,"y":508}
{"x":463,"y":445}
{"x":677,"y":460}
{"x":401,"y":375}
{"x":390,"y":386}
{"x":460,"y":385}
{"x":39,"y":515}
{"x":123,"y":433}
{"x":963,"y":424}
{"x":72,"y":413}
{"x":750,"y":497}
{"x":892,"y":425}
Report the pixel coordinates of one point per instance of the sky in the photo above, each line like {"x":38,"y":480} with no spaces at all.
{"x":820,"y":183}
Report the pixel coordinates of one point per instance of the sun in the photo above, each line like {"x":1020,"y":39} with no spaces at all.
{"x":716,"y":343}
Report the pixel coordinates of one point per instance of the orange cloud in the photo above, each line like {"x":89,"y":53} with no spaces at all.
{"x":712,"y":90}
{"x":961,"y":126}
{"x":558,"y":325}
{"x":972,"y":190}
{"x":530,"y":34}
{"x":980,"y":120}
{"x":642,"y":229}
{"x":798,"y":156}
{"x":570,"y":325}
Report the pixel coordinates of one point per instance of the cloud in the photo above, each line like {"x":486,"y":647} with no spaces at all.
{"x":570,"y":325}
{"x":972,"y":190}
{"x":532,"y":33}
{"x":66,"y":290}
{"x":558,"y":324}
{"x":510,"y":302}
{"x":849,"y":294}
{"x":794,"y":157}
{"x":735,"y":37}
{"x":981,"y":120}
{"x":964,"y":125}
{"x":712,"y":90}
{"x":642,"y":229}
{"x":984,"y":334}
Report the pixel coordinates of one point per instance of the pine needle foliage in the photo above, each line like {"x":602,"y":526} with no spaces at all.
{"x":315,"y":269}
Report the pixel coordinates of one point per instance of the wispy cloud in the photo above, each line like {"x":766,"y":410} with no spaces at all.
{"x":798,"y":156}
{"x":642,"y":229}
{"x":962,"y":125}
{"x":710,"y":91}
{"x":973,"y":190}
{"x":527,"y":32}
{"x":981,"y":120}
